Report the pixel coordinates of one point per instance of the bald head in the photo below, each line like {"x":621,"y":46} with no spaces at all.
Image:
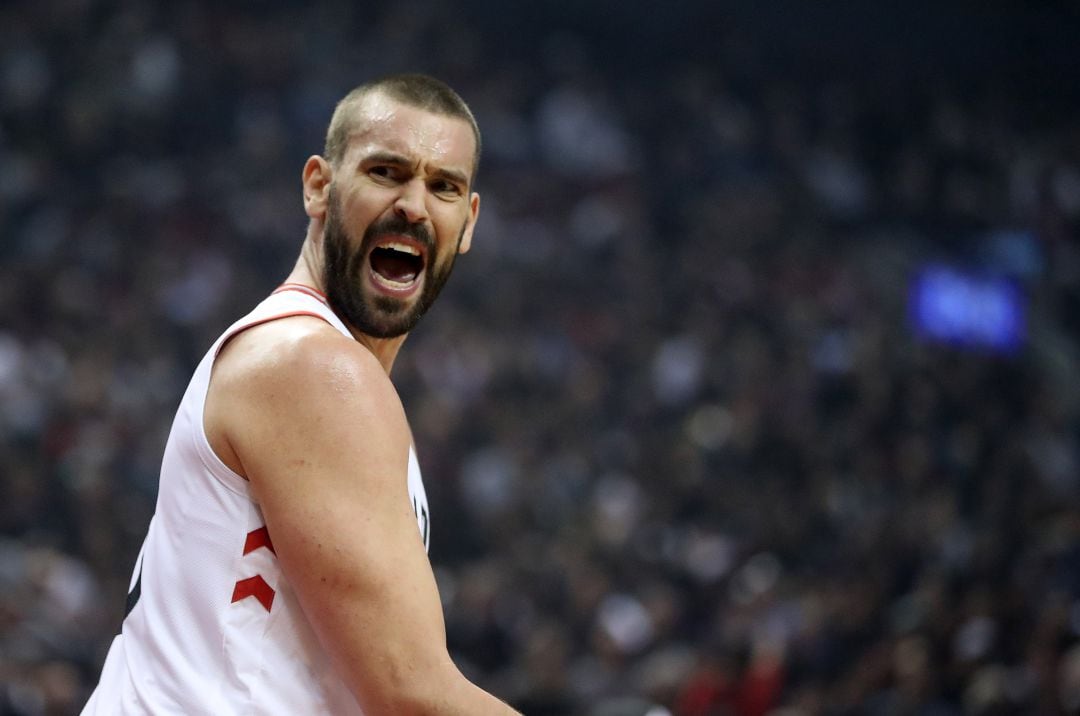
{"x":415,"y":90}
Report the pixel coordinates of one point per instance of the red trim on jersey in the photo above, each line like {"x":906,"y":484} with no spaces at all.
{"x":258,"y":538}
{"x":254,"y":587}
{"x":302,"y":288}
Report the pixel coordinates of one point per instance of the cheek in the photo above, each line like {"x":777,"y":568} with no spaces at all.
{"x":449,"y":241}
{"x":362,"y":208}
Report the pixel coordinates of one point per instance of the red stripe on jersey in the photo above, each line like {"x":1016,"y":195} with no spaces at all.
{"x":302,"y":288}
{"x":258,"y":538}
{"x":254,"y":587}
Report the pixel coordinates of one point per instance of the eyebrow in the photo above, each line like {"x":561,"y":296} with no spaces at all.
{"x":453,"y":176}
{"x":384,"y":157}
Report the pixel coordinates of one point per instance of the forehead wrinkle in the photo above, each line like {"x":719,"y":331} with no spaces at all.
{"x":368,"y":144}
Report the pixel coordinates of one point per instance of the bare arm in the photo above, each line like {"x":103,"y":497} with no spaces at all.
{"x":320,"y":432}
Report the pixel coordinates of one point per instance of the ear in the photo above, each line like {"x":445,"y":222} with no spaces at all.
{"x":470,"y":223}
{"x":316,"y":179}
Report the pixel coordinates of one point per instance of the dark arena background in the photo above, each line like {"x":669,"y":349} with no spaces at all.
{"x":757,"y":394}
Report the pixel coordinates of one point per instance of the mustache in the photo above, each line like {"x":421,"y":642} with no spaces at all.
{"x":396,"y":224}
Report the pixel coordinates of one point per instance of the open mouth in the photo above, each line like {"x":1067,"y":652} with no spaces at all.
{"x":397,"y":264}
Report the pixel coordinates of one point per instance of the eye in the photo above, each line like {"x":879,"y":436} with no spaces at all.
{"x":445,"y":187}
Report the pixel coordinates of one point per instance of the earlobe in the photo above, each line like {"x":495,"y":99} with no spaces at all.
{"x":316,"y":184}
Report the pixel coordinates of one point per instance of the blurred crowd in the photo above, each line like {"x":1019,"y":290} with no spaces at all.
{"x":686,"y":451}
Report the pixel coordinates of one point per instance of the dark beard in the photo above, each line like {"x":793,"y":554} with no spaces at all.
{"x":377,"y":316}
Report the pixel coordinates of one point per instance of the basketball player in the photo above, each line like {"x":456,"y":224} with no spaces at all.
{"x":285,"y":569}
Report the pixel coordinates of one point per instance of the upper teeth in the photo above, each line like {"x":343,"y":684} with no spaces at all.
{"x":403,"y":248}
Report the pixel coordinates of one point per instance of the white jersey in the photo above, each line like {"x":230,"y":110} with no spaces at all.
{"x":212,"y":626}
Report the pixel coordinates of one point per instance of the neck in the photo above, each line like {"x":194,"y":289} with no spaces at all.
{"x":306,"y":272}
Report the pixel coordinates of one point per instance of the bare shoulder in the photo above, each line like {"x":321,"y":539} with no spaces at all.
{"x":296,"y":353}
{"x":297,"y":377}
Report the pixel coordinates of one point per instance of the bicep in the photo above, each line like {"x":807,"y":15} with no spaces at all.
{"x":327,"y":457}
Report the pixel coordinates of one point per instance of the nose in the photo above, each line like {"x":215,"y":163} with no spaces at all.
{"x":411,"y":204}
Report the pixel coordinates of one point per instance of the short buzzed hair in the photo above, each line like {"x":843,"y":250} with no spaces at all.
{"x":415,"y":90}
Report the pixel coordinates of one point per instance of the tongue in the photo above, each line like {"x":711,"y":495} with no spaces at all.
{"x":393,"y":267}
